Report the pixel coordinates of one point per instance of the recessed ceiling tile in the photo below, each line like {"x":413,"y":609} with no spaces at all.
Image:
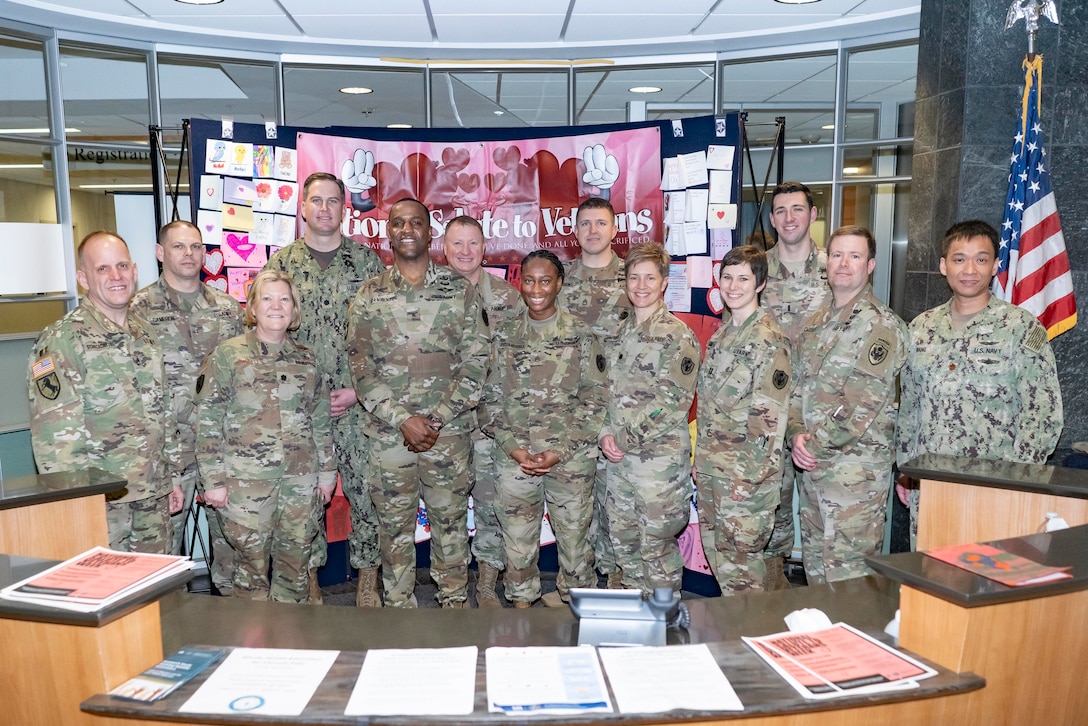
{"x":506,"y":28}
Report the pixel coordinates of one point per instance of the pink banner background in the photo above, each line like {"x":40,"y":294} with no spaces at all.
{"x":524,"y":192}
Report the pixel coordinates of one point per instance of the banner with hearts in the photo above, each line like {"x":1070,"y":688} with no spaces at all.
{"x":524,"y":192}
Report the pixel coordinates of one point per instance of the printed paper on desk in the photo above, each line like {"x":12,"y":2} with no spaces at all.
{"x":211,"y":192}
{"x":722,"y":216}
{"x":720,"y":157}
{"x":700,"y":272}
{"x":721,"y":187}
{"x":672,"y":176}
{"x":693,"y":168}
{"x":262,"y":681}
{"x":388,"y":683}
{"x":695,"y":205}
{"x":674,"y":677}
{"x":545,"y":680}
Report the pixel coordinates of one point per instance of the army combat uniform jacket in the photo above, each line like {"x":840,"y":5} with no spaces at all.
{"x":188,"y":334}
{"x":417,"y":352}
{"x":98,"y":397}
{"x":262,"y":414}
{"x":792,"y":298}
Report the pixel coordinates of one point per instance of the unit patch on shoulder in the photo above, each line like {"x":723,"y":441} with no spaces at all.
{"x":1035,"y":338}
{"x":780,"y":378}
{"x":600,"y":362}
{"x":878,"y":351}
{"x":45,"y":378}
{"x":687,"y":366}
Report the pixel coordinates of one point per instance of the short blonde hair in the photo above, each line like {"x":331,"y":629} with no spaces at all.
{"x":257,"y":286}
{"x":649,"y":252}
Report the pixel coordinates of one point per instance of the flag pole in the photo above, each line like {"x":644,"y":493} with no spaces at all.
{"x":1031,"y":11}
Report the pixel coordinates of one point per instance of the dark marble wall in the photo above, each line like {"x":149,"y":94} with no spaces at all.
{"x":970,"y":86}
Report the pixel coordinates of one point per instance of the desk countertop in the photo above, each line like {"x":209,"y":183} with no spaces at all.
{"x":23,"y":491}
{"x":1038,"y":478}
{"x":868,"y":603}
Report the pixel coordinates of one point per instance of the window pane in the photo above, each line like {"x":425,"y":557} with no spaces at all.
{"x":803,"y":164}
{"x":26,"y":183}
{"x":750,"y":230}
{"x":192,"y":87}
{"x":880,"y":93}
{"x":312,"y":97}
{"x":801,"y":89}
{"x":116,"y":111}
{"x":24,"y":108}
{"x":861,"y":204}
{"x":603,"y":96}
{"x":498,"y":98}
{"x":877,"y":161}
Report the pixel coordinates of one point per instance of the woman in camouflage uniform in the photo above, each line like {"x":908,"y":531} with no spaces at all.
{"x":264,"y":444}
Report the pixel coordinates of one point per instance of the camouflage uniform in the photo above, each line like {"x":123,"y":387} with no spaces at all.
{"x":987,"y":391}
{"x":265,"y":433}
{"x":652,"y":373}
{"x":791,"y":299}
{"x":324,"y":297}
{"x":418,"y":353}
{"x":744,"y":392}
{"x":845,"y":398}
{"x":597,"y":296}
{"x":98,"y":397}
{"x":545,"y":391}
{"x":188,"y":329}
{"x":501,"y":301}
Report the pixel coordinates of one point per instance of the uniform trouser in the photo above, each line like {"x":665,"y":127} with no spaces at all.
{"x":781,"y":541}
{"x":603,"y":553}
{"x":487,"y":544}
{"x":648,"y":504}
{"x":271,"y":520}
{"x":440,"y":476}
{"x":842,"y":511}
{"x":568,"y":491}
{"x":352,"y":448}
{"x":189,"y":479}
{"x":140,"y":526}
{"x":735,"y":533}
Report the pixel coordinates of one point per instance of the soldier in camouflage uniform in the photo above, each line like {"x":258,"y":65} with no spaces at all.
{"x":463,"y":245}
{"x":190,"y":319}
{"x":593,"y":292}
{"x":328,"y":269}
{"x":99,"y":398}
{"x":979,"y":380}
{"x":796,"y":288}
{"x":264,"y":444}
{"x":744,"y":390}
{"x":842,"y":414}
{"x":544,"y":406}
{"x":417,"y":341}
{"x":652,"y":372}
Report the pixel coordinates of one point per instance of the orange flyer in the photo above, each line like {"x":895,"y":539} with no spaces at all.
{"x":999,"y":565}
{"x":97,"y":575}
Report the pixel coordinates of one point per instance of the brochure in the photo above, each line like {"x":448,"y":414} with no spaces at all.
{"x":997,"y":564}
{"x":165,"y":677}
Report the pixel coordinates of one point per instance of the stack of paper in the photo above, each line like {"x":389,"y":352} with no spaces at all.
{"x":999,"y":565}
{"x":838,"y":661}
{"x":95,"y":579}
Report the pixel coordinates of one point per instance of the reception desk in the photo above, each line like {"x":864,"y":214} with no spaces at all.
{"x":55,"y":516}
{"x":972,"y":500}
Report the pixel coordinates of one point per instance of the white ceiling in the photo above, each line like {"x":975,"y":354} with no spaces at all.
{"x":475,"y":29}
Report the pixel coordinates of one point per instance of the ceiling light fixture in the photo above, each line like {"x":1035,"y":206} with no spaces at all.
{"x":851,"y":170}
{"x":498,"y":112}
{"x":36,"y":131}
{"x":828,"y":127}
{"x":356,"y":90}
{"x":644,"y":89}
{"x":125,"y":186}
{"x":22,"y":166}
{"x":796,"y":2}
{"x":199,"y":2}
{"x":398,"y":126}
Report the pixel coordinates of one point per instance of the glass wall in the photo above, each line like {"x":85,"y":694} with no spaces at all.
{"x":318,"y":96}
{"x":510,"y":98}
{"x":650,"y":93}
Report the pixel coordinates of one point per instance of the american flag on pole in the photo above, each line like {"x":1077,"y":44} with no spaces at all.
{"x":1034,"y":267}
